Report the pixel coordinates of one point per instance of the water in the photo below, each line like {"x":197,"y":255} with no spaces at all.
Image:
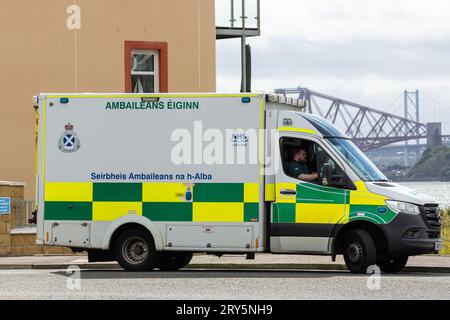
{"x":438,"y":190}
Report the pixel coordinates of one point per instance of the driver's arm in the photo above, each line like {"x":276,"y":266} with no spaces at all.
{"x":308,"y":177}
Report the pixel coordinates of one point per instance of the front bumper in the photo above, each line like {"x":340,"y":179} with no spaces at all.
{"x":412,"y":235}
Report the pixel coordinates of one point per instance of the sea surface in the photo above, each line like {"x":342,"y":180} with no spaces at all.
{"x":438,"y":190}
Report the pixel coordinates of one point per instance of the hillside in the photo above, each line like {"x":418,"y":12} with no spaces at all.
{"x":434,"y":164}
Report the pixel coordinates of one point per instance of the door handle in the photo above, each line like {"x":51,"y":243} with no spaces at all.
{"x":288,"y":192}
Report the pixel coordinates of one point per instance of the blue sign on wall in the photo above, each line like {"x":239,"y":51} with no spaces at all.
{"x":5,"y":205}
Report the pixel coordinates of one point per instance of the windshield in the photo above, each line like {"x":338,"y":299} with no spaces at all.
{"x":357,"y":160}
{"x":325,"y":127}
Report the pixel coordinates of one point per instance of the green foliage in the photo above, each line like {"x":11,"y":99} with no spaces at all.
{"x":446,"y":232}
{"x":433,"y":164}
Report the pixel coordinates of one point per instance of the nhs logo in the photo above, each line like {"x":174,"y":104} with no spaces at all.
{"x":239,"y":138}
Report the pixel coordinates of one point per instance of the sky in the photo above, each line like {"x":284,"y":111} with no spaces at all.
{"x":366,"y":51}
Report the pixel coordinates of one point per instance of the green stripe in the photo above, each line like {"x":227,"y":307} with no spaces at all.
{"x":372,"y":212}
{"x":68,"y":210}
{"x":218,"y":192}
{"x":251,"y":212}
{"x":370,"y":218}
{"x":319,"y":187}
{"x":131,"y":192}
{"x":167,"y":211}
{"x":308,"y":193}
{"x":283,"y":212}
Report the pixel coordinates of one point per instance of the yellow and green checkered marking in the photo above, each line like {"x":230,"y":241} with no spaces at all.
{"x":319,"y":204}
{"x":211,"y":202}
{"x":311,"y":204}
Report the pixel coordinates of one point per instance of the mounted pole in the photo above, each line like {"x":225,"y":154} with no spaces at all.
{"x":239,"y":9}
{"x":243,"y":53}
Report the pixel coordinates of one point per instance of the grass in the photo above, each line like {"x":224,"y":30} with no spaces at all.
{"x":446,"y":232}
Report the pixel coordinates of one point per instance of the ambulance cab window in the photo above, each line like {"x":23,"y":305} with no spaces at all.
{"x":306,"y":160}
{"x":330,"y":173}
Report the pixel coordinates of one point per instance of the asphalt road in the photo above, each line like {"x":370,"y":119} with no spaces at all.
{"x":213,"y":284}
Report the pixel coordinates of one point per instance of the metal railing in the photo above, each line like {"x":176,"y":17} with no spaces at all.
{"x":21,"y":213}
{"x":229,"y":14}
{"x":237,"y":18}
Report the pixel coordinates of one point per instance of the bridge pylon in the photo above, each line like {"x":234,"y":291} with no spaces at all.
{"x":411,"y":112}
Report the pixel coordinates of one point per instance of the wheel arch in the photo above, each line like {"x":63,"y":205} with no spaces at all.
{"x":378,"y":235}
{"x":132,"y":221}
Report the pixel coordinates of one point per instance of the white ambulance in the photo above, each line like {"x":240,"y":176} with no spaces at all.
{"x":150,"y":179}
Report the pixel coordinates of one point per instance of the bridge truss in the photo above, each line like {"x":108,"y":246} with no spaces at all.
{"x":369,"y":128}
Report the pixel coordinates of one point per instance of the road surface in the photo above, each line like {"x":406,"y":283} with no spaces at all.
{"x":215,"y":284}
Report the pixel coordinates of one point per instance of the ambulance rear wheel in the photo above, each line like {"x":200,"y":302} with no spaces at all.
{"x":172,"y":261}
{"x":135,"y":250}
{"x":359,"y":251}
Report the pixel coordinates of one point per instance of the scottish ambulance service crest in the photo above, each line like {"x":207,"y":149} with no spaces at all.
{"x":69,"y":141}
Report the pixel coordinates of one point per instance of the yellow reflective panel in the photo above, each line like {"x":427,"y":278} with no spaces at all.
{"x":251,"y":192}
{"x":68,"y":191}
{"x":218,"y":212}
{"x":319,"y":213}
{"x":109,"y":211}
{"x":164,"y":192}
{"x":301,"y":130}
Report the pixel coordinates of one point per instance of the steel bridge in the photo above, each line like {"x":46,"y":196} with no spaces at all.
{"x":369,"y":128}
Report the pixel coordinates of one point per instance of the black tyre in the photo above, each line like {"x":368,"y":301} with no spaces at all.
{"x":393,"y":264}
{"x":135,"y":250}
{"x":171,"y":261}
{"x":359,"y":251}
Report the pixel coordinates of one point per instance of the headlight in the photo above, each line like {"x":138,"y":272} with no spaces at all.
{"x":405,"y":207}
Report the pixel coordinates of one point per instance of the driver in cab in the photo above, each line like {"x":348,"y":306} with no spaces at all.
{"x":298,"y":166}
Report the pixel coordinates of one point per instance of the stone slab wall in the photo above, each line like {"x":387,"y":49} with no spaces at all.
{"x":20,"y":243}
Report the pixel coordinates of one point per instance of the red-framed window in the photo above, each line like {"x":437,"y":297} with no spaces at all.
{"x":146,"y":66}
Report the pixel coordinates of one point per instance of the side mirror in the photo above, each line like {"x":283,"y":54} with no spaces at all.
{"x":327,"y":172}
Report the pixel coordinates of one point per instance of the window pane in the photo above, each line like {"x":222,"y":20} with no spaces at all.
{"x":143,"y":84}
{"x":143,"y":62}
{"x":311,"y":163}
{"x":325,"y":127}
{"x":251,"y":12}
{"x":338,"y":176}
{"x":292,"y":165}
{"x":223,"y":13}
{"x":356,"y":159}
{"x":229,"y":13}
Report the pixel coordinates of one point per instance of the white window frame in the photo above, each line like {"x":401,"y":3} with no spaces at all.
{"x":155,"y":73}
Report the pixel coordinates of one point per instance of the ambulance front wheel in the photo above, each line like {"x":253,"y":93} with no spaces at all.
{"x":172,"y":261}
{"x":393,"y":264}
{"x":135,"y":250}
{"x":359,"y":251}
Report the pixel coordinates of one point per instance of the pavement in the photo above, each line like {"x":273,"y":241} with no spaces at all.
{"x":427,"y":263}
